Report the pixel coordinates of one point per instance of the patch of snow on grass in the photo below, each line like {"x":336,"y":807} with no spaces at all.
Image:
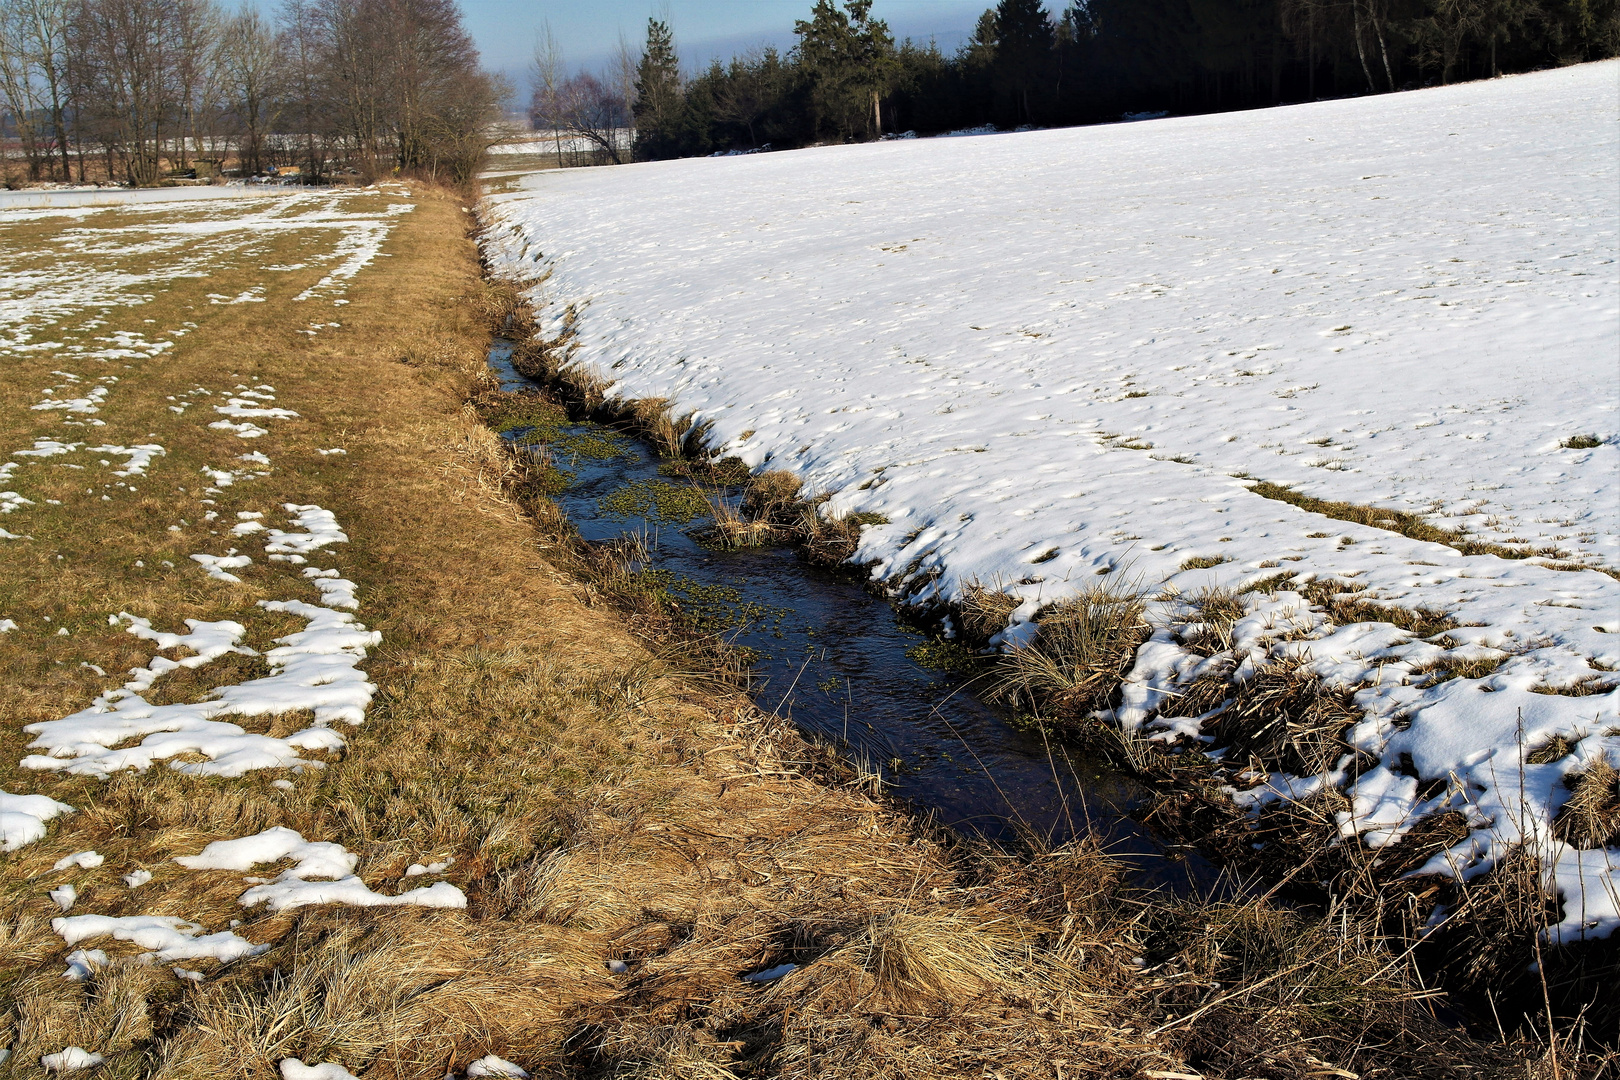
{"x":315,"y":670}
{"x":294,"y":1069}
{"x":71,"y":1059}
{"x":218,"y":565}
{"x":23,"y":818}
{"x":294,"y":888}
{"x":140,"y":457}
{"x":166,"y":939}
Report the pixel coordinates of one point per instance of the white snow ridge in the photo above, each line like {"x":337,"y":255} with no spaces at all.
{"x":1062,"y":357}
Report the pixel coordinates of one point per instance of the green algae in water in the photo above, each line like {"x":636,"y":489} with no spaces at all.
{"x":941,"y":655}
{"x":714,"y":608}
{"x":596,"y":444}
{"x":728,"y":472}
{"x":654,"y":500}
{"x":529,"y":413}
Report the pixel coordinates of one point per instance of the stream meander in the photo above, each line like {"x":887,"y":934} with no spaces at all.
{"x":843,"y":664}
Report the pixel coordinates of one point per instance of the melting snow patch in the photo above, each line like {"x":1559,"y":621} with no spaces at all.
{"x":294,"y":1069}
{"x":418,"y":870}
{"x":490,"y":1065}
{"x":336,"y":592}
{"x":320,"y":529}
{"x":63,"y":896}
{"x":292,"y":888}
{"x":23,"y":818}
{"x":85,"y":860}
{"x":167,"y":939}
{"x":48,"y":448}
{"x":71,"y":1059}
{"x":136,"y":878}
{"x":315,"y":669}
{"x":217,"y":565}
{"x":245,"y":409}
{"x":82,"y":963}
{"x":91,"y":403}
{"x":139,"y":457}
{"x":243,"y":430}
{"x":10,"y":500}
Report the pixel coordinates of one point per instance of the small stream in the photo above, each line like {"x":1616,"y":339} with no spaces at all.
{"x":834,"y":659}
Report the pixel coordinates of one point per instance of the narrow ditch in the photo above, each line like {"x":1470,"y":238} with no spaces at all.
{"x":848,"y":668}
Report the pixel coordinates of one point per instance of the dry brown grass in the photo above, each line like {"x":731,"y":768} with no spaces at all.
{"x":602,"y":799}
{"x":1286,"y":718}
{"x":985,"y":612}
{"x":1079,"y":656}
{"x":1591,"y":817}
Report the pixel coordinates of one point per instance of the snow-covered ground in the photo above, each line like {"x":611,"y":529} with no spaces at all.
{"x":1050,"y":356}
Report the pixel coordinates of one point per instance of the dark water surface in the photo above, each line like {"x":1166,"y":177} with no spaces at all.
{"x":833,"y":658}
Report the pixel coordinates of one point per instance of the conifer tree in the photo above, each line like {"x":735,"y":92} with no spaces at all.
{"x":660,"y":98}
{"x":1025,"y":41}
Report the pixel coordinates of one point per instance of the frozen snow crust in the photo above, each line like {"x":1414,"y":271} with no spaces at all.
{"x":1050,"y":356}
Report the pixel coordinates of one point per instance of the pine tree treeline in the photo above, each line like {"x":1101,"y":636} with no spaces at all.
{"x":138,"y":90}
{"x":847,"y":79}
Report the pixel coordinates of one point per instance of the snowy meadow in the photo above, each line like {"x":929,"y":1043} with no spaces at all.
{"x":1361,"y":348}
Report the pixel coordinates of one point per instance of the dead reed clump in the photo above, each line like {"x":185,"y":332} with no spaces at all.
{"x":731,"y":529}
{"x":1347,"y":603}
{"x":773,"y":496}
{"x":828,"y":541}
{"x":1080,"y":654}
{"x":1591,"y":817}
{"x":1217,"y":611}
{"x":904,"y":960}
{"x":1285,"y":716}
{"x":1439,"y":671}
{"x":985,"y":612}
{"x":1255,"y":990}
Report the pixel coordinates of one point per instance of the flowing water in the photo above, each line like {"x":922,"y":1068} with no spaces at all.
{"x":845,"y":665}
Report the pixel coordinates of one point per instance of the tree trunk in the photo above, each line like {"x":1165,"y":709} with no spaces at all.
{"x":1310,"y":54}
{"x":1382,"y":50}
{"x":1361,"y":51}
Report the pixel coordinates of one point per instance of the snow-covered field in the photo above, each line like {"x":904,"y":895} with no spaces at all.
{"x":1053,"y":358}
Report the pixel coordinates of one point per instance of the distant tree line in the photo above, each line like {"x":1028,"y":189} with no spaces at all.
{"x":139,"y":90}
{"x":848,"y":80}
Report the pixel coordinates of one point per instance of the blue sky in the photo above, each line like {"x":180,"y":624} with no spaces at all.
{"x":588,"y":30}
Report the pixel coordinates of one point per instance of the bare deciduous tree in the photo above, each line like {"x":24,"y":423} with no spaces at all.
{"x":252,"y":61}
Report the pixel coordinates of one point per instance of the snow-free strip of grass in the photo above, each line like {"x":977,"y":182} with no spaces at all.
{"x":1050,"y":357}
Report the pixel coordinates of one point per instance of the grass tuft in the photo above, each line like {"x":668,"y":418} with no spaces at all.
{"x":1287,"y":718}
{"x":1591,"y":818}
{"x":985,"y":612}
{"x":1080,"y":654}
